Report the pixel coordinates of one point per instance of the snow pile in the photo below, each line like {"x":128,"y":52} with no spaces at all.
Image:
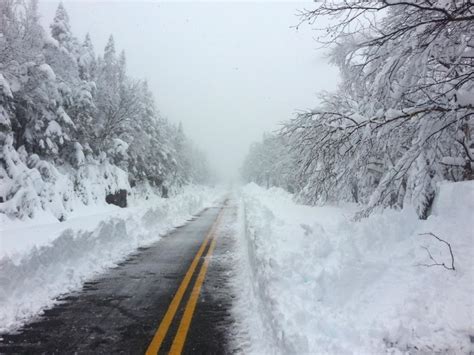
{"x":32,"y":186}
{"x":328,"y":284}
{"x":50,"y":259}
{"x":252,"y":332}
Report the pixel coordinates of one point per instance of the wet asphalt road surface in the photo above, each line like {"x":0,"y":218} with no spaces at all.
{"x":120,"y":311}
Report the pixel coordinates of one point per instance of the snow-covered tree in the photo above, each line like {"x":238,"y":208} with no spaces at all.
{"x":40,"y":121}
{"x":6,"y":106}
{"x":402,"y":118}
{"x":61,"y":107}
{"x":60,"y":28}
{"x":86,"y":60}
{"x":118,"y":98}
{"x":62,"y":48}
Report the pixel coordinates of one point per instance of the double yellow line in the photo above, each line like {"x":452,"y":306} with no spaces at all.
{"x":185,"y":322}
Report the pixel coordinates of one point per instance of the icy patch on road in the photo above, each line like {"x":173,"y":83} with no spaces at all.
{"x":326,"y":284}
{"x":40,"y":262}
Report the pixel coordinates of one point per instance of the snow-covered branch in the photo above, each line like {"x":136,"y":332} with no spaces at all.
{"x":406,"y":104}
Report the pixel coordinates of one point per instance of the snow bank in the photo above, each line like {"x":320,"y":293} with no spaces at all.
{"x":328,"y":284}
{"x":32,"y":187}
{"x":252,"y":333}
{"x":40,"y":262}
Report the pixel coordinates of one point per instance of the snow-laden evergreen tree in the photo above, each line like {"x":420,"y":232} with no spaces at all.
{"x":402,"y":118}
{"x":83,"y":108}
{"x":86,"y":60}
{"x":6,"y":96}
{"x":147,"y":153}
{"x":6,"y":106}
{"x":62,"y":53}
{"x":39,"y":126}
{"x":60,"y":28}
{"x":62,"y":48}
{"x":40,"y":122}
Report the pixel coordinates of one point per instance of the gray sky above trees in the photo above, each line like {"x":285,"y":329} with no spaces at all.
{"x":227,"y":70}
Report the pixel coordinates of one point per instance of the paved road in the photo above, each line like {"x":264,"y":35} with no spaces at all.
{"x":126,"y":310}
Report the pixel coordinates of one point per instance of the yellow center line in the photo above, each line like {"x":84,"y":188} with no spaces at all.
{"x":180,"y":338}
{"x":160,"y":334}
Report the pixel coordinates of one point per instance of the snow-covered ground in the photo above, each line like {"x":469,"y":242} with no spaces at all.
{"x":319,"y":282}
{"x":42,"y":258}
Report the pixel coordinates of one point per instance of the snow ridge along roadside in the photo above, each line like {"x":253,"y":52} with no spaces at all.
{"x":328,"y":284}
{"x":62,"y":256}
{"x":253,"y":333}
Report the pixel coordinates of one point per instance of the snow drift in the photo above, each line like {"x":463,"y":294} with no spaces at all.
{"x":31,"y":185}
{"x":328,"y":284}
{"x":39,"y":262}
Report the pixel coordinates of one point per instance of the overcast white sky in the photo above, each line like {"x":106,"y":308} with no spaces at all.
{"x":229,"y":71}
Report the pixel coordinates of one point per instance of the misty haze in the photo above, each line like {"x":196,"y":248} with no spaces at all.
{"x":236,"y":177}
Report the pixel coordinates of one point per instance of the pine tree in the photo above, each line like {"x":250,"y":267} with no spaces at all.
{"x":86,"y":60}
{"x":60,"y":28}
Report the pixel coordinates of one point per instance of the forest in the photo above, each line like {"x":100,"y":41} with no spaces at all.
{"x":74,"y":126}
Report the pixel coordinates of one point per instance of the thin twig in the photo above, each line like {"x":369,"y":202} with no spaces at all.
{"x":435,"y":263}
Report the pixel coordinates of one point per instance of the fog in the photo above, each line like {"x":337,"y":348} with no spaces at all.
{"x":228,"y":71}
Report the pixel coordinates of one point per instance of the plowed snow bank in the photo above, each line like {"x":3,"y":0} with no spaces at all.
{"x":40,"y":262}
{"x":331,"y":285}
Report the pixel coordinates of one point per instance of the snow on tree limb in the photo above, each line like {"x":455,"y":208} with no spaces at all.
{"x":404,"y":107}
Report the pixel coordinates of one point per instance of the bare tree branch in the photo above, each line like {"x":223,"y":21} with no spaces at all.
{"x":436,"y":263}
